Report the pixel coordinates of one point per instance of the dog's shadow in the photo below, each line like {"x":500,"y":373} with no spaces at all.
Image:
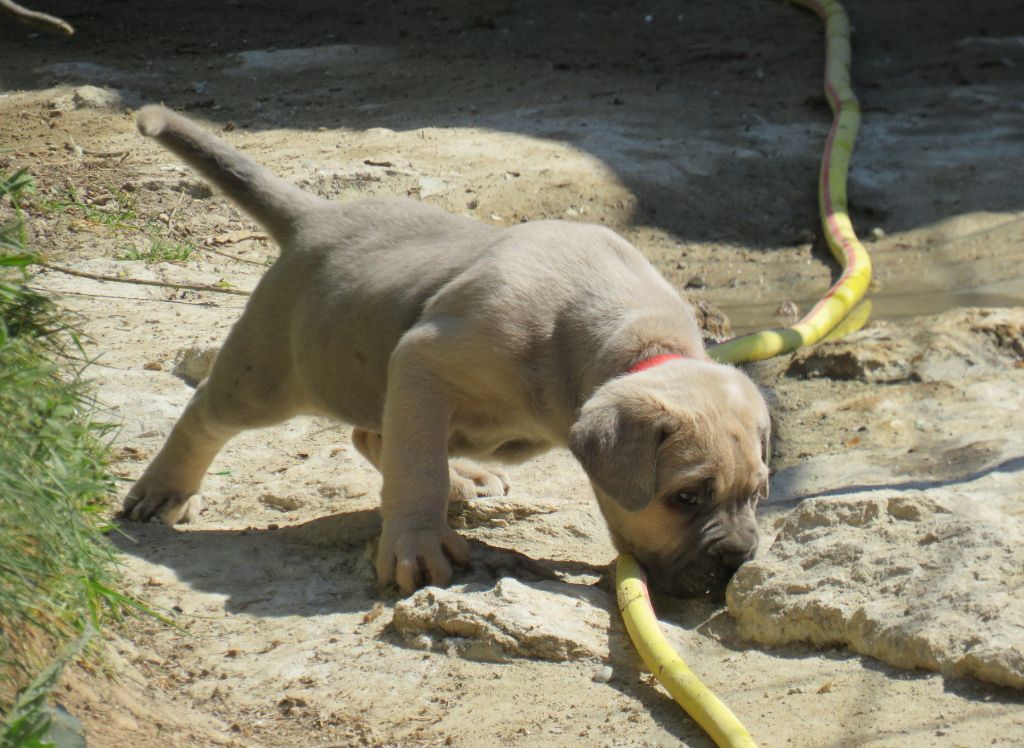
{"x":317,"y":567}
{"x":324,"y":566}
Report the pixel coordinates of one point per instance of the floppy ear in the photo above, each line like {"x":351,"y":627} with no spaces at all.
{"x":618,"y":448}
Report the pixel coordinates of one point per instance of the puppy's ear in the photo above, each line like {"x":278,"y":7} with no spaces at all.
{"x":617,"y":445}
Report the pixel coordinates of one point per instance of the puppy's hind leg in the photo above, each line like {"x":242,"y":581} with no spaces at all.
{"x":470,"y":480}
{"x":467,"y":479}
{"x":251,"y":386}
{"x":169,"y":486}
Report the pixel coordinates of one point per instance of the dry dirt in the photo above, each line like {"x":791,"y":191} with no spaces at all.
{"x":692,"y":129}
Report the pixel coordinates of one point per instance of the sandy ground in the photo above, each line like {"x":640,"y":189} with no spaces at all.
{"x":692,"y":129}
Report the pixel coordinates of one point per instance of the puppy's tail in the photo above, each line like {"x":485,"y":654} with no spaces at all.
{"x":276,"y":204}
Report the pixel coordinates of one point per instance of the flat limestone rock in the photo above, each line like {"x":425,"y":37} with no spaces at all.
{"x":94,"y":97}
{"x":494,"y":511}
{"x":950,"y":346}
{"x":542,"y":620}
{"x":918,"y":579}
{"x":907,"y":548}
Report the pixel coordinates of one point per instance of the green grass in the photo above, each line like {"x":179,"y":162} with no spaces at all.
{"x":12,"y":234}
{"x":159,"y":249}
{"x":116,"y":213}
{"x":56,"y":565}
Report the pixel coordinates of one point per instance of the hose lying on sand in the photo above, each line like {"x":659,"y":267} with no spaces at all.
{"x":685,"y":687}
{"x":835,"y":315}
{"x":848,"y":291}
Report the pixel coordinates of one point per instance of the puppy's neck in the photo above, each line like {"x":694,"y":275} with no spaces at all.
{"x":651,"y":361}
{"x":638,"y":338}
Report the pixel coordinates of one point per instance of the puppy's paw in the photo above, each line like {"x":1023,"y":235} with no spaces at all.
{"x":413,"y":556}
{"x":469,"y":481}
{"x":172,"y":507}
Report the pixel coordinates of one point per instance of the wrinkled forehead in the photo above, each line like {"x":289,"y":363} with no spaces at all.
{"x":727,"y":445}
{"x":717,"y":445}
{"x":736,"y":396}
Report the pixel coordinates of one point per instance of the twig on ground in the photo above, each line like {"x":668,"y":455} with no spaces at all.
{"x":170,"y":217}
{"x":234,"y":237}
{"x":236,"y":258}
{"x":36,"y":19}
{"x":84,"y":295}
{"x":142,"y":282}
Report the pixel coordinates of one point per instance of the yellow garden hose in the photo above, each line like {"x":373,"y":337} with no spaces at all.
{"x":667,"y":666}
{"x":848,"y":291}
{"x":831,"y":317}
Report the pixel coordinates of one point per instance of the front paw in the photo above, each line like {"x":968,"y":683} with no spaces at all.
{"x":415,"y":554}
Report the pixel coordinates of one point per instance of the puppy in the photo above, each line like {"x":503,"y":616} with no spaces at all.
{"x":435,"y":335}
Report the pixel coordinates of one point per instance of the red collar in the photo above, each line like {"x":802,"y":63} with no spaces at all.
{"x":653,"y":361}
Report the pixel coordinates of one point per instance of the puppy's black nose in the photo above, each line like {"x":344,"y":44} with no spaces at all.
{"x":733,"y":560}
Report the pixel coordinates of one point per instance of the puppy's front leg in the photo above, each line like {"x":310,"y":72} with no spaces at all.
{"x":416,"y":544}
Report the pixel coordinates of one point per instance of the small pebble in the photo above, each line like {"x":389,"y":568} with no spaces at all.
{"x":422,"y":642}
{"x":877,"y":233}
{"x":787,"y":309}
{"x":603,"y":675}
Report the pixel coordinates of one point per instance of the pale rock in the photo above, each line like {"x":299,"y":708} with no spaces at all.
{"x":950,"y":346}
{"x":429,"y":186}
{"x":193,"y":364}
{"x":713,"y":322}
{"x":543,"y":620}
{"x":281,"y":502}
{"x":94,"y":97}
{"x":931,"y":580}
{"x":909,"y":547}
{"x":490,"y":511}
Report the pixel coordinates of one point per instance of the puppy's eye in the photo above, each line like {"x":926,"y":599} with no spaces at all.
{"x":692,"y":498}
{"x":686,"y":499}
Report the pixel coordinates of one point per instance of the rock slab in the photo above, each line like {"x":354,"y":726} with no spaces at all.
{"x":930,"y":581}
{"x":194,"y":363}
{"x":543,"y":620}
{"x":957,"y":344}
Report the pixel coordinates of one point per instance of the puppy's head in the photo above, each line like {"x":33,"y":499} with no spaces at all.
{"x":677,"y":456}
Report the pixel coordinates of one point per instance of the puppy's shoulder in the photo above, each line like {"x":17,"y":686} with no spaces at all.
{"x":562,"y":230}
{"x":575,"y":244}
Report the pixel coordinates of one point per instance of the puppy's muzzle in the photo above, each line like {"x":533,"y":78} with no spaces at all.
{"x":705,"y":569}
{"x":734,"y":551}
